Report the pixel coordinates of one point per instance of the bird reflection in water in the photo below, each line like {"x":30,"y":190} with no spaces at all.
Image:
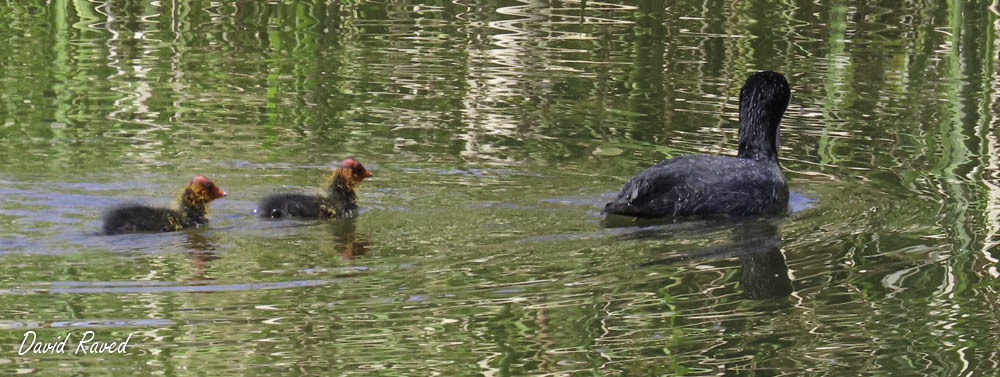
{"x":758,"y":245}
{"x":347,"y":242}
{"x":201,"y":250}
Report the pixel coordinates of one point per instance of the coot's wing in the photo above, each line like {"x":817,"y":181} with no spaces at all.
{"x":649,"y":183}
{"x":654,"y":191}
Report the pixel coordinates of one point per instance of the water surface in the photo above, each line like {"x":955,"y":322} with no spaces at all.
{"x":496,"y":131}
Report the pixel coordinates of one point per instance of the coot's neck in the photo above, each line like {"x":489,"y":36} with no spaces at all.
{"x":759,"y":129}
{"x":194,"y":207}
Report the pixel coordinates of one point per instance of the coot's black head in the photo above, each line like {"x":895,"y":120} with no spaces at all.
{"x":763,"y":101}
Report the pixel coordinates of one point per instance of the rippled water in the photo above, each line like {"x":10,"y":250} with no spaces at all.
{"x":495,"y":132}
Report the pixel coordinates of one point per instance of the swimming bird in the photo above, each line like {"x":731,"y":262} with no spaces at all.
{"x":339,"y":200}
{"x":750,"y":184}
{"x":190,"y":210}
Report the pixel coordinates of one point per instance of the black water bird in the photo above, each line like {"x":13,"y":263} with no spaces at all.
{"x":339,"y":200}
{"x":191,"y":210}
{"x":750,"y":184}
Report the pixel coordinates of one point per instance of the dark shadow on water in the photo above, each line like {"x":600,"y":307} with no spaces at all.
{"x":633,"y":228}
{"x":642,"y":228}
{"x":758,"y":245}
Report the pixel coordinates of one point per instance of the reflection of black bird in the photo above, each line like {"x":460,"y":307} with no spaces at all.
{"x":758,"y":245}
{"x":765,"y":275}
{"x":749,"y":184}
{"x":198,"y":242}
{"x":340,"y":200}
{"x":349,"y":243}
{"x":192,"y":211}
{"x":201,"y":251}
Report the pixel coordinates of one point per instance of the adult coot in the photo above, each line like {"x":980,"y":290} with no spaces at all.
{"x":750,"y":184}
{"x":191,"y":211}
{"x":339,"y":200}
